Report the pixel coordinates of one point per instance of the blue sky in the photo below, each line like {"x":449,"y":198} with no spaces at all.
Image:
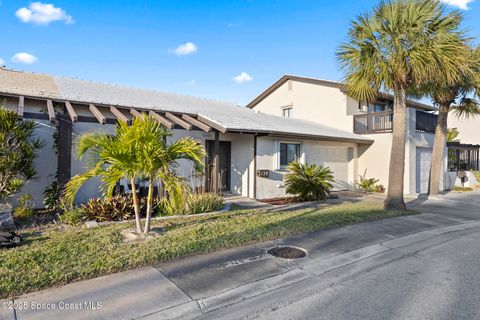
{"x":192,"y":47}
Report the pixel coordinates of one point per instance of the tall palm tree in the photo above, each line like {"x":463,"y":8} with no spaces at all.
{"x":110,"y":157}
{"x":459,"y":97}
{"x":400,"y":45}
{"x":158,"y":160}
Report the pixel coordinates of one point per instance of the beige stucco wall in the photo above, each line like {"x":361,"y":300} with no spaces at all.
{"x":469,"y":128}
{"x":267,"y":159}
{"x":323,"y":104}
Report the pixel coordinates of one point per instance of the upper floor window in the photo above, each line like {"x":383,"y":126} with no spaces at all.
{"x":289,"y":152}
{"x":287,"y":112}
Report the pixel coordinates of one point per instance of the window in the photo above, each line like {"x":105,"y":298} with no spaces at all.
{"x":287,"y":112}
{"x":289,"y":152}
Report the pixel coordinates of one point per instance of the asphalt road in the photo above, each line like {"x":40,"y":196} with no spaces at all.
{"x":434,"y":279}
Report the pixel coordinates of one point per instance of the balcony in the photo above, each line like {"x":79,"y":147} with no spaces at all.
{"x":382,"y":122}
{"x":372,"y":123}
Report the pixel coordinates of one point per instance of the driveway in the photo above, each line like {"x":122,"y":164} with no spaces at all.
{"x":417,"y":267}
{"x":472,"y":198}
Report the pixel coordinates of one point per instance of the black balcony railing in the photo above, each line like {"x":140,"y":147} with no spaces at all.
{"x":382,"y":122}
{"x":371,"y":123}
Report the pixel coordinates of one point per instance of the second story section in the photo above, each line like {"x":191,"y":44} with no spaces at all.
{"x":326,"y":102}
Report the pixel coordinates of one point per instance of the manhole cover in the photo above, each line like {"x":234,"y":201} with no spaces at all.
{"x":287,"y":252}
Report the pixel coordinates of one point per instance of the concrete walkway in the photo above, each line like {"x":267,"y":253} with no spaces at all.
{"x":203,"y":286}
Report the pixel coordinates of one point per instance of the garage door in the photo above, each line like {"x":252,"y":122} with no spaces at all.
{"x":334,"y":158}
{"x":424,"y":162}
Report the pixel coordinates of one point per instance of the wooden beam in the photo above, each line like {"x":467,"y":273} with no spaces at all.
{"x":120,"y":116}
{"x":51,"y":111}
{"x":71,"y":112}
{"x":64,"y":144}
{"x":161,"y":119}
{"x":212,"y":124}
{"x":21,"y":106}
{"x":99,"y":115}
{"x":135,"y":113}
{"x":197,"y":123}
{"x":185,"y":125}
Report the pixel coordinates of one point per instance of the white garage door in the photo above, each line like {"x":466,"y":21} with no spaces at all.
{"x":334,"y":158}
{"x":424,"y":162}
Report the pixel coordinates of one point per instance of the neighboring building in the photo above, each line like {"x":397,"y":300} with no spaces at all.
{"x":325,"y":102}
{"x":464,"y":153}
{"x":248,"y":144}
{"x":468,"y":128}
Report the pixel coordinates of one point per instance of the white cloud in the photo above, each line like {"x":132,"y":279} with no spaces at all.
{"x":462,"y":4}
{"x":186,"y":49}
{"x":2,"y":62}
{"x":235,"y":24}
{"x":242,"y":77}
{"x":191,"y":83}
{"x":42,"y":14}
{"x":23,"y":57}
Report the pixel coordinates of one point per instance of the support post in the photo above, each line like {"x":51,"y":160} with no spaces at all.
{"x":255,"y":166}
{"x":64,"y":165}
{"x":216,"y":163}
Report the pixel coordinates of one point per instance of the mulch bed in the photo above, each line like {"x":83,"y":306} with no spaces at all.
{"x":281,"y":201}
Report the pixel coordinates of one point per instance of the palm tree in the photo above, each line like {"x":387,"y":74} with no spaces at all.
{"x":458,"y":96}
{"x":111,"y":158}
{"x":136,"y":151}
{"x":400,"y":45}
{"x":452,"y":134}
{"x":158,"y":160}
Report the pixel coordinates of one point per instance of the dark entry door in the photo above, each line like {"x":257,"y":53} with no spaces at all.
{"x":225,"y":160}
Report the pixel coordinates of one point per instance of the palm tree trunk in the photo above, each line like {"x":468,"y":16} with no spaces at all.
{"x":438,"y":149}
{"x":149,"y":207}
{"x":136,"y":206}
{"x":396,"y":171}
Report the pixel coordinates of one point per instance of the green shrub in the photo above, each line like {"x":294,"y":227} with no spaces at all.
{"x":477,"y":175}
{"x":309,"y":182}
{"x":369,"y":184}
{"x":51,"y":196}
{"x":72,"y":216}
{"x":206,"y":202}
{"x":116,"y":208}
{"x":191,"y":204}
{"x":25,"y":207}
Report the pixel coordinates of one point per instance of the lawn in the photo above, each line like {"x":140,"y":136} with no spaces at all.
{"x":59,"y":255}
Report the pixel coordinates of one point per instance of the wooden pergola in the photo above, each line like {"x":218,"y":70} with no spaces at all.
{"x":69,"y":115}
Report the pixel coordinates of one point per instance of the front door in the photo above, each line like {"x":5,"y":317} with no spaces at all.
{"x":225,"y":155}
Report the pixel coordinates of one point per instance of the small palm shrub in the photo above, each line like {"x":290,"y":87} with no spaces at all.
{"x":369,"y":184}
{"x":51,"y":196}
{"x":116,"y":208}
{"x":25,"y":207}
{"x":309,"y":182}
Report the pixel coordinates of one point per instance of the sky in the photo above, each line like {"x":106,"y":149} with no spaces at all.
{"x":229,"y":50}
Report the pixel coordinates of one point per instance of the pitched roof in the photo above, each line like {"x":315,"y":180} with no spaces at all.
{"x":228,"y":115}
{"x":329,"y":83}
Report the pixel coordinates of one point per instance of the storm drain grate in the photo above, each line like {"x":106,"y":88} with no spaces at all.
{"x":287,"y":252}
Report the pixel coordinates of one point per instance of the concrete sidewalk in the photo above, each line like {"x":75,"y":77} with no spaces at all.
{"x":197,"y":286}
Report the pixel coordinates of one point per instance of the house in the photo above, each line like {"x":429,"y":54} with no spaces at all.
{"x":325,"y":102}
{"x":463,"y":154}
{"x":247,"y":150}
